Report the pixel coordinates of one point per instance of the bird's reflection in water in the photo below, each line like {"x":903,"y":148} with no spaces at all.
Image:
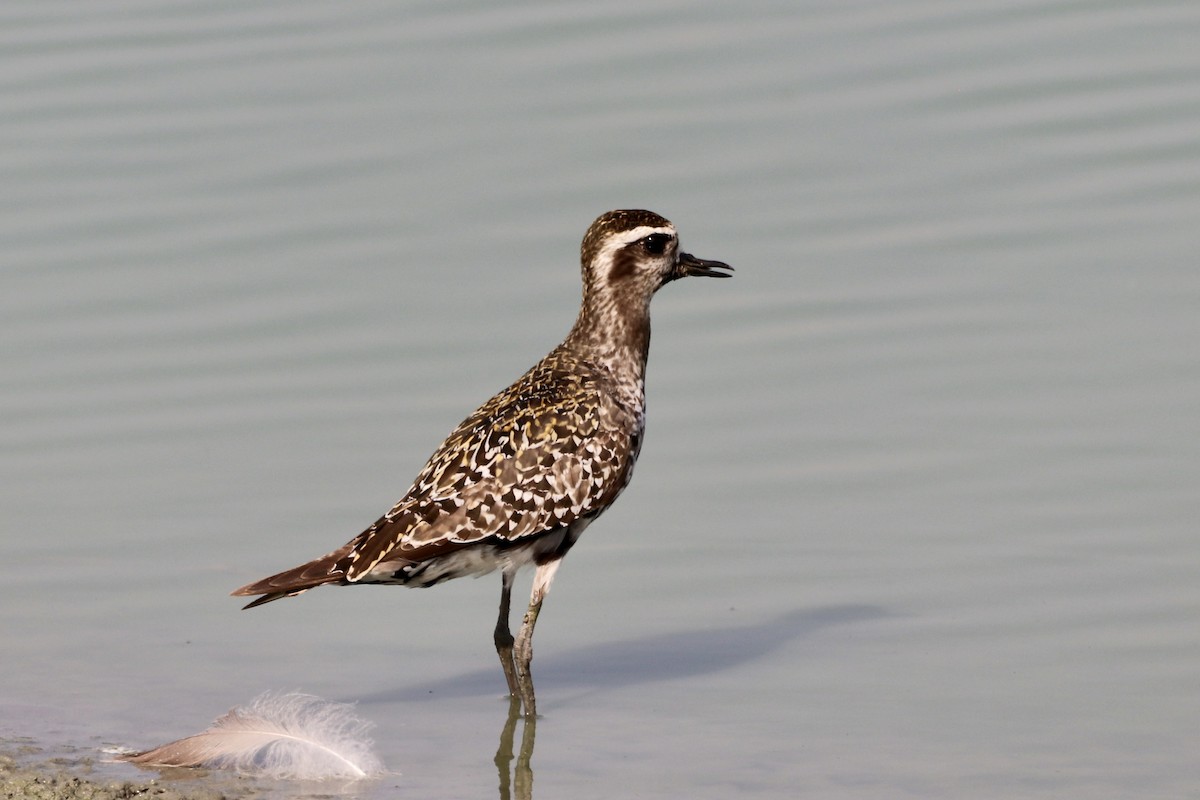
{"x":516,"y":782}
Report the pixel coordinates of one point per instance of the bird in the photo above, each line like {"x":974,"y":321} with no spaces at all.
{"x":518,"y":481}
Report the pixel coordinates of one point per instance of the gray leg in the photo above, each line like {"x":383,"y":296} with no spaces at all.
{"x":523,"y":649}
{"x":523,"y":655}
{"x":504,"y":637}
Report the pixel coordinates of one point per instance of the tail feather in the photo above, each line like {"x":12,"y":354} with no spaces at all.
{"x":297,"y":580}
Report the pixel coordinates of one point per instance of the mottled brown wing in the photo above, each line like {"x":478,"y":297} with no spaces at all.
{"x":534,"y":459}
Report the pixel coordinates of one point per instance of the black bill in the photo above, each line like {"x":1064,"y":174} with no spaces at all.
{"x":688,"y":266}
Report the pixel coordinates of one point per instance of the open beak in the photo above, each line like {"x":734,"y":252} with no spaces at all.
{"x":688,"y":265}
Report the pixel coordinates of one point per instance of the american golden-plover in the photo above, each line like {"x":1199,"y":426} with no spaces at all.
{"x":518,"y":481}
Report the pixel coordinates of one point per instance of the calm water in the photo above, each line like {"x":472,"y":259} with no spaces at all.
{"x":917,"y":511}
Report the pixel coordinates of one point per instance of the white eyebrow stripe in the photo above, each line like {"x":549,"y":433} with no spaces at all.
{"x":617,"y":241}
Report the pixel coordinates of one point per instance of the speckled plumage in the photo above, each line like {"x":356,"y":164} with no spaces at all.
{"x":517,"y":481}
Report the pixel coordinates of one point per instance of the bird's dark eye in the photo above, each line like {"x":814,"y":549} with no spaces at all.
{"x":656,"y":243}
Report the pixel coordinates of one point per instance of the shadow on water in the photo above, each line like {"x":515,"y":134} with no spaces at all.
{"x":632,"y":661}
{"x":646,"y":659}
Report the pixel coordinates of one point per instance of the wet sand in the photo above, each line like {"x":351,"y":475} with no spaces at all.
{"x":27,"y":775}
